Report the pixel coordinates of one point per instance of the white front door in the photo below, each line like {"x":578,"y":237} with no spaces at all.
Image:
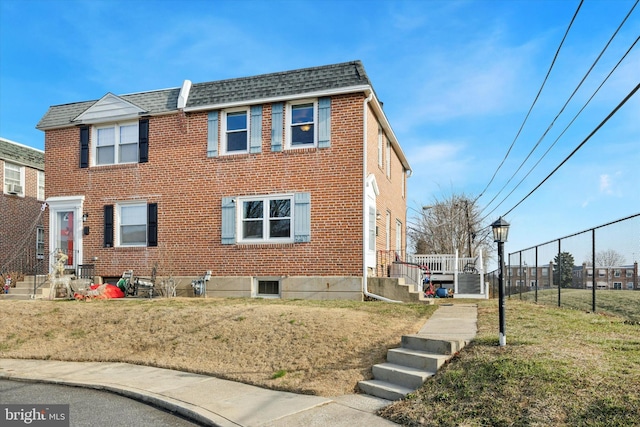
{"x":65,"y":228}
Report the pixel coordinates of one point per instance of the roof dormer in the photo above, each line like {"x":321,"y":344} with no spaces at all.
{"x":109,"y":108}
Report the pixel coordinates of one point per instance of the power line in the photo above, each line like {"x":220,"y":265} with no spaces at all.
{"x":534,"y":101}
{"x":624,"y":101}
{"x":565,"y":129}
{"x":564,"y":107}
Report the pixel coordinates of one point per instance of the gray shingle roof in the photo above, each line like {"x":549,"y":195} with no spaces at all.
{"x":21,"y":154}
{"x":155,"y":102}
{"x":282,"y":84}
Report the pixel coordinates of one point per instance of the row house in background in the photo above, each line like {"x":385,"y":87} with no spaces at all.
{"x":525,"y":277}
{"x":21,"y":222}
{"x":282,"y":185}
{"x":624,"y":277}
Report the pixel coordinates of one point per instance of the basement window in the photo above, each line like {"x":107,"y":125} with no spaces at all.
{"x":267,"y":288}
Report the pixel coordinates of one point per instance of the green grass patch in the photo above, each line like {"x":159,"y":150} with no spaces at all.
{"x":279,"y":374}
{"x":625,"y":304}
{"x":560,"y":367}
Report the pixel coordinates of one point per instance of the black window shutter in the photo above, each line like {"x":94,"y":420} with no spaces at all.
{"x":152,"y":224}
{"x":143,"y":140}
{"x":84,"y":147}
{"x":108,"y":226}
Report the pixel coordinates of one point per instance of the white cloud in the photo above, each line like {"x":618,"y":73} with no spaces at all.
{"x":605,"y":184}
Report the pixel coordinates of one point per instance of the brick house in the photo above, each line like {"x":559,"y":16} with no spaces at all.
{"x":282,"y":185}
{"x":21,"y":221}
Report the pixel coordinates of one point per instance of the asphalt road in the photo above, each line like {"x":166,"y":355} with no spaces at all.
{"x":91,"y":408}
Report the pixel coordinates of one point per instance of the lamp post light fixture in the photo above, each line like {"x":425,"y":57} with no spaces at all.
{"x":500,"y":233}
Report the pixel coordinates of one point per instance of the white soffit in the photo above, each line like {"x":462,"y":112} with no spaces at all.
{"x":110,"y":107}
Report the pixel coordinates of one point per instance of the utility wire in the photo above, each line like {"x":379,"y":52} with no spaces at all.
{"x":624,"y":101}
{"x":564,"y":106}
{"x":565,"y":129}
{"x":534,"y":101}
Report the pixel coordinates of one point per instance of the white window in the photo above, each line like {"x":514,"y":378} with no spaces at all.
{"x":388,"y":231}
{"x":380,"y":161}
{"x":40,"y":185}
{"x":267,"y":287}
{"x":40,"y":243}
{"x":13,"y":179}
{"x":132,"y":224}
{"x":301,"y":124}
{"x":265,"y":219}
{"x":629,"y":273}
{"x":630,"y":286}
{"x":617,"y":285}
{"x":235,"y":131}
{"x":388,"y":164}
{"x":116,"y":143}
{"x":616,"y":273}
{"x":398,"y":236}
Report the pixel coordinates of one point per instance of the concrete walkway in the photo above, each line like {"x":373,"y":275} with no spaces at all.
{"x":216,"y":402}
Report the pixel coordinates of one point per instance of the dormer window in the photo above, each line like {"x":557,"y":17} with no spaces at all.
{"x":116,"y":143}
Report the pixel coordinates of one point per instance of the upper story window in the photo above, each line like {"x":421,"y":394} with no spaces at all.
{"x":380,"y":147}
{"x":13,"y":179}
{"x":301,"y":124}
{"x":116,"y":143}
{"x":388,"y":164}
{"x":266,"y":219}
{"x":235,"y":130}
{"x":40,"y":185}
{"x":629,"y":273}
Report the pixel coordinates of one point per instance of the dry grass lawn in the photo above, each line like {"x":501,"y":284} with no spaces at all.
{"x":311,"y":347}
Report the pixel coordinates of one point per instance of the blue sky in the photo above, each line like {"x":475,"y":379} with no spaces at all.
{"x":456,"y":77}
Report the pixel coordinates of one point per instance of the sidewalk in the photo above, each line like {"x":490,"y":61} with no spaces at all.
{"x":215,"y":402}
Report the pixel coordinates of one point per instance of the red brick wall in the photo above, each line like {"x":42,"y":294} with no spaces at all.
{"x":188,"y":188}
{"x":391,"y":198}
{"x":18,"y":218}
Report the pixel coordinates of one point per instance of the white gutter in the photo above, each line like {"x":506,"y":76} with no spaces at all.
{"x":365,"y":290}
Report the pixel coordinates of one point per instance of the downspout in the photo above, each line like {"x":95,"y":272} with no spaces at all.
{"x":365,"y":290}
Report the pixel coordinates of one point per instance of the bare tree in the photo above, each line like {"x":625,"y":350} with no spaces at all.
{"x":450,"y":224}
{"x":607,"y":258}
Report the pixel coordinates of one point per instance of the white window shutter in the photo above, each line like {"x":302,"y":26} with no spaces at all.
{"x":255,"y":144}
{"x":212,"y":135}
{"x":276,"y":126}
{"x":228,"y":220}
{"x":324,"y":122}
{"x":302,"y":217}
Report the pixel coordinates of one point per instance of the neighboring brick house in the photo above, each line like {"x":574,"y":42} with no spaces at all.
{"x":21,"y":220}
{"x":623,"y":277}
{"x":282,"y":184}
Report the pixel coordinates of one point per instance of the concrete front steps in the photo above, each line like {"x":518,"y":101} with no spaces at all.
{"x":24,"y":289}
{"x":409,"y":366}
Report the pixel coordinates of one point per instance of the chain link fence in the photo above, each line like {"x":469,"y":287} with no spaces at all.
{"x":561,"y":272}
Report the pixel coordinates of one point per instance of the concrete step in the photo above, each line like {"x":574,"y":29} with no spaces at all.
{"x":422,"y":343}
{"x":12,"y":296}
{"x":418,"y":359}
{"x":405,"y":376}
{"x":384,"y":389}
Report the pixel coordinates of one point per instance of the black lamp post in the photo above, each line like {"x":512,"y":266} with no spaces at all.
{"x":500,"y":233}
